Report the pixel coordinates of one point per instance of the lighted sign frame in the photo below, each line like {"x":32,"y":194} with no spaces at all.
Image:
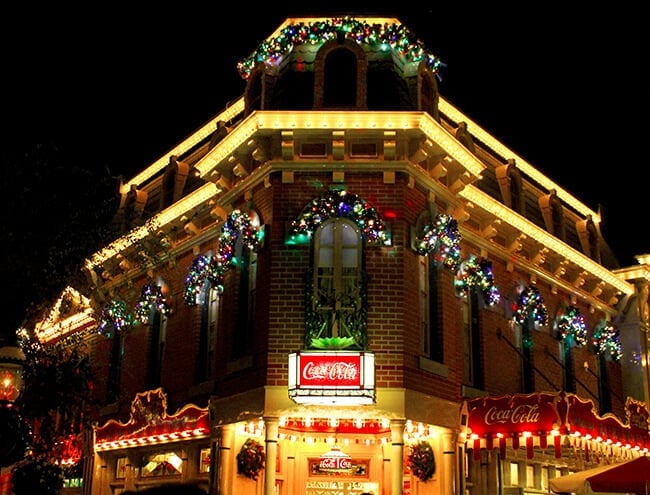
{"x":332,"y":377}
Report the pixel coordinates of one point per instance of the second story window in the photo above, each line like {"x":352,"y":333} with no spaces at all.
{"x":337,"y":302}
{"x":210,"y":310}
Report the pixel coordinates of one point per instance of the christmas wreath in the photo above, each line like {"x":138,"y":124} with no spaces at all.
{"x":420,"y":460}
{"x":250,"y":460}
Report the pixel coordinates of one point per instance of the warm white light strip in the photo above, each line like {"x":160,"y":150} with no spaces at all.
{"x":450,"y":144}
{"x":179,"y":208}
{"x":372,"y":120}
{"x":69,"y":325}
{"x":228,"y":114}
{"x":454,"y":114}
{"x":500,"y":211}
{"x":227,"y":145}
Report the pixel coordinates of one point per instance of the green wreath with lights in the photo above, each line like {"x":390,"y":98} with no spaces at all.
{"x":251,"y":458}
{"x":420,"y":460}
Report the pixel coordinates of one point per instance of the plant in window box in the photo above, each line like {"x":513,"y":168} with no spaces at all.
{"x":250,"y":459}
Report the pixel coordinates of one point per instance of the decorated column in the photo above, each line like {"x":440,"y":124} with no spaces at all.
{"x":224,"y":469}
{"x":397,"y":456}
{"x":271,"y":425}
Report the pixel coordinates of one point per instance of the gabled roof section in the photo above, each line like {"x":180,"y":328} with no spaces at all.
{"x":71,"y":312}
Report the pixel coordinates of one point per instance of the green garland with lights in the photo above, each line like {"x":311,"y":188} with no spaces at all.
{"x":421,"y":461}
{"x":530,"y":304}
{"x":394,"y":37}
{"x":441,"y":239}
{"x":213,"y":268}
{"x":341,"y":204}
{"x":607,"y":341}
{"x":251,"y":459}
{"x":477,"y":272}
{"x":572,"y":327}
{"x":151,"y":297}
{"x":115,"y":317}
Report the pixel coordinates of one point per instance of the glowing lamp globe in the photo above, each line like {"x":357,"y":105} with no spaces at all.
{"x":11,"y":373}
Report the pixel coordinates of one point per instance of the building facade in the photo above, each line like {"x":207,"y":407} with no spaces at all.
{"x":342,"y":284}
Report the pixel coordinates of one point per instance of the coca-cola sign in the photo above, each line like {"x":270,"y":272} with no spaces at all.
{"x":510,"y":414}
{"x":323,"y":370}
{"x":337,"y":377}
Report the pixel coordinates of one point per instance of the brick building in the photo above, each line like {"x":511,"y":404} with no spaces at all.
{"x":344,"y":273}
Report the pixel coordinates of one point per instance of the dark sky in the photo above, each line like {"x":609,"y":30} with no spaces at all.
{"x":117,"y":86}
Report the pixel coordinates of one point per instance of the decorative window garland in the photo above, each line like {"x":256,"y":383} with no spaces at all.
{"x":250,"y":459}
{"x":151,"y":297}
{"x":607,"y":341}
{"x":531,"y":303}
{"x":421,"y":461}
{"x":213,"y":268}
{"x":395,"y":36}
{"x":340,"y":204}
{"x":115,"y":317}
{"x":572,"y":327}
{"x":441,"y":239}
{"x":477,"y":272}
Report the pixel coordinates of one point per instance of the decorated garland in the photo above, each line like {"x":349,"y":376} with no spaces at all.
{"x":442,"y":239}
{"x":151,"y":297}
{"x":340,"y":204}
{"x":477,"y":272}
{"x":116,"y":317}
{"x":213,"y":268}
{"x":250,"y":459}
{"x":391,"y":36}
{"x":531,"y":303}
{"x":421,"y":461}
{"x":607,"y":341}
{"x":572,"y":327}
{"x":198,"y":273}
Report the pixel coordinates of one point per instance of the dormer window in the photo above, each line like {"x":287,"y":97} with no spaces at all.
{"x":340,"y":75}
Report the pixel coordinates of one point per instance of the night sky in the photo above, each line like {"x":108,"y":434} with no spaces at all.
{"x":115,"y":89}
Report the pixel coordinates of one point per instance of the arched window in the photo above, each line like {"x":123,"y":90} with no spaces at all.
{"x":337,"y":276}
{"x":340,"y":75}
{"x":429,"y":299}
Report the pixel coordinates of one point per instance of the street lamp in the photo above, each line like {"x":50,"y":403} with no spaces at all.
{"x":12,"y":430}
{"x":11,"y":374}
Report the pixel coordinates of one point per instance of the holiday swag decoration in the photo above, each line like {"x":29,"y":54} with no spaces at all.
{"x":212,"y":268}
{"x":442,"y":240}
{"x":386,"y":36}
{"x":477,"y":272}
{"x":572,"y":327}
{"x":250,"y":459}
{"x":340,"y":204}
{"x":151,"y":297}
{"x":115,"y":318}
{"x":607,"y":341}
{"x":420,"y":460}
{"x":530,"y":304}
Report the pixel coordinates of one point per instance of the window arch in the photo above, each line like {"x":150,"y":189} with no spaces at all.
{"x":336,"y":311}
{"x":340,"y":75}
{"x":431,"y":336}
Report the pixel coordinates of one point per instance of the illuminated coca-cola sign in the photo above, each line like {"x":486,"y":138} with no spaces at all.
{"x":335,"y":377}
{"x":532,"y":413}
